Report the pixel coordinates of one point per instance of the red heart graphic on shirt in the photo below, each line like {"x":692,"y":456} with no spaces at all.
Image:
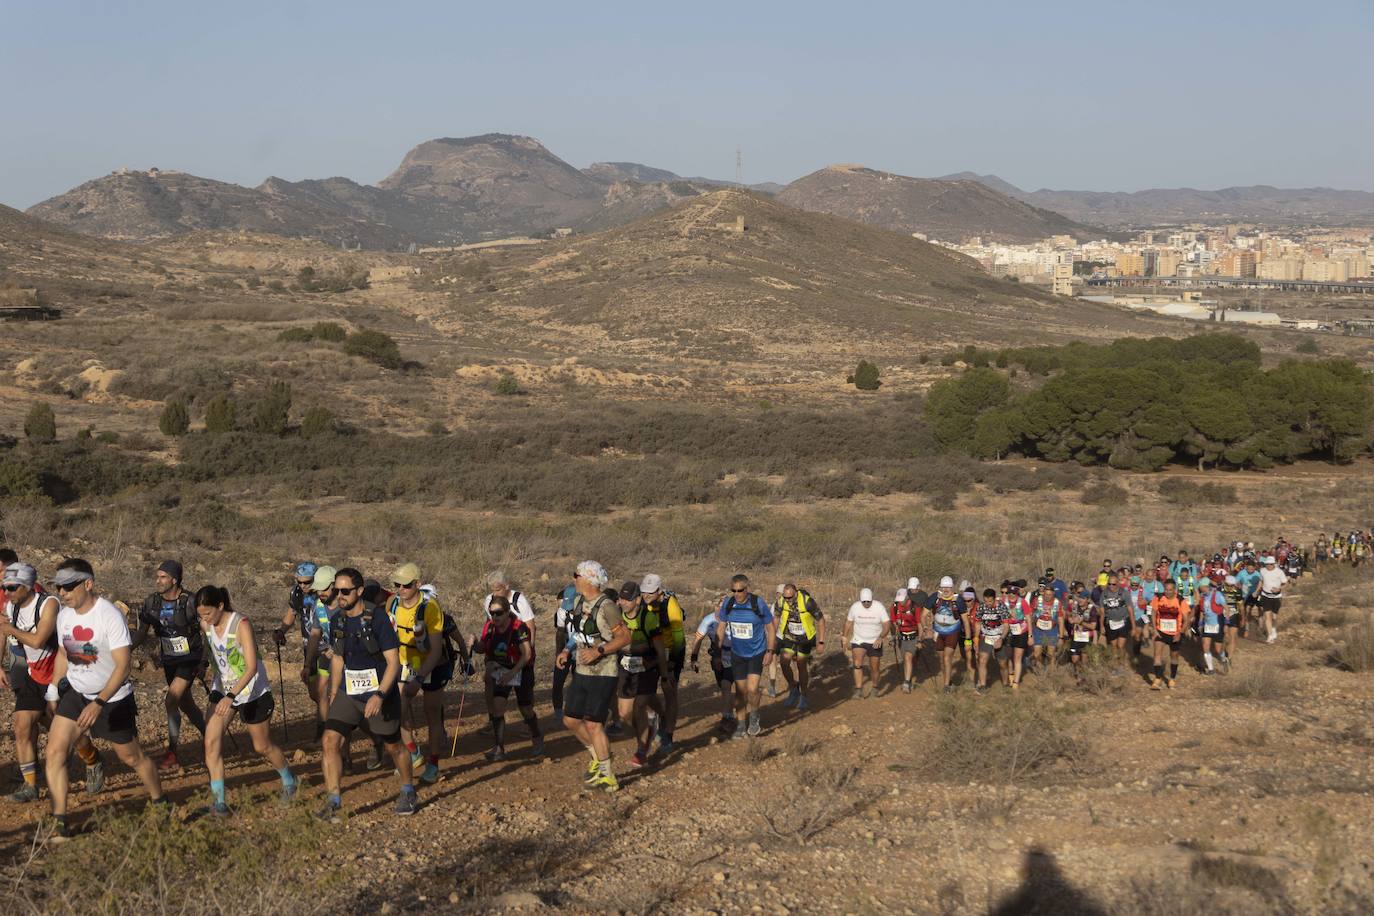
{"x":84,"y":634}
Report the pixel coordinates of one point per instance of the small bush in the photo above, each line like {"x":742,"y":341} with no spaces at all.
{"x":1308,"y":347}
{"x":1104,"y":493}
{"x":40,"y":424}
{"x":221,"y":415}
{"x":328,"y":331}
{"x":1355,"y":651}
{"x":272,"y":410}
{"x":832,"y":794}
{"x":317,"y":421}
{"x":1253,"y":682}
{"x":1005,"y":741}
{"x":506,"y":384}
{"x":295,"y":335}
{"x":865,"y":376}
{"x":175,"y":419}
{"x":375,"y":347}
{"x":1182,"y":492}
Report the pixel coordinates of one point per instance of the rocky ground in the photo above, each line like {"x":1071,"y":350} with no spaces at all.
{"x":1247,"y":792}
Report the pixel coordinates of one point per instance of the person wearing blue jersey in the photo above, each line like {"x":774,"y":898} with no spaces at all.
{"x":1248,"y":578}
{"x":950,"y":621}
{"x":748,"y":620}
{"x":1210,"y":605}
{"x":567,"y":600}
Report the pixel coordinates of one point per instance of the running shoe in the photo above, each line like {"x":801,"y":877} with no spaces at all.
{"x":754,"y":727}
{"x":537,"y":747}
{"x":407,"y":803}
{"x":417,"y":759}
{"x":741,"y":730}
{"x":606,"y":783}
{"x":802,"y":704}
{"x":772,"y":688}
{"x":287,"y":796}
{"x":61,"y":833}
{"x":1156,"y":684}
{"x":95,"y":777}
{"x":665,"y":747}
{"x":220,"y":809}
{"x":792,"y":696}
{"x":374,"y":758}
{"x":858,"y":694}
{"x":25,"y":793}
{"x":430,"y":774}
{"x":615,"y":729}
{"x":496,"y":754}
{"x":1171,"y":683}
{"x":638,"y":759}
{"x":168,"y":762}
{"x":906,"y":687}
{"x":332,"y":812}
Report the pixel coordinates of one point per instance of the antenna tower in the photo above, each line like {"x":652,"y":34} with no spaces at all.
{"x":739,"y":166}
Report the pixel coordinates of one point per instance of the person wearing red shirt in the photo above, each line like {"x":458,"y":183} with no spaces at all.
{"x":1172,"y":618}
{"x":905,"y":614}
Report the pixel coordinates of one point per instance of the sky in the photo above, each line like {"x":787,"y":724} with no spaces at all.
{"x":1067,"y":95}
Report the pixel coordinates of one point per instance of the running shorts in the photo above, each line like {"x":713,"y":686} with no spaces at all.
{"x":949,"y":640}
{"x":346,"y":714}
{"x":744,"y":666}
{"x":1046,"y":637}
{"x":909,"y":644}
{"x":1019,"y":641}
{"x":589,"y":697}
{"x":186,"y":668}
{"x":638,"y":684}
{"x":252,"y":712}
{"x":799,"y":648}
{"x":523,"y":689}
{"x":725,"y":675}
{"x":677,"y":660}
{"x":117,"y":722}
{"x":868,"y":648}
{"x":1270,"y":605}
{"x":29,"y":695}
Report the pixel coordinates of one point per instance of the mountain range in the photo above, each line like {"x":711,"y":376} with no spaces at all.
{"x":1172,"y":206}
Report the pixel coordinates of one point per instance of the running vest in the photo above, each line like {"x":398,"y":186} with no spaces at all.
{"x":41,"y":660}
{"x":230,"y":664}
{"x":314,"y":614}
{"x":178,"y":637}
{"x":906,"y":618}
{"x":584,"y":630}
{"x":504,"y":648}
{"x":640,"y":654}
{"x":795,"y":620}
{"x":1014,"y":612}
{"x":1046,"y":619}
{"x":946,"y":612}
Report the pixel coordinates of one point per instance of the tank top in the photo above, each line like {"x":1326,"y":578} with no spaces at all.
{"x":230,"y":664}
{"x":42,"y":659}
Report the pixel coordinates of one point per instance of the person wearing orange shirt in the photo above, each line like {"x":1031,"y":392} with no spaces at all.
{"x":1171,"y":618}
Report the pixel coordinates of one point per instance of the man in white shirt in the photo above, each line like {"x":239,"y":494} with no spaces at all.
{"x":865,"y":629}
{"x":94,"y":637}
{"x":1272,"y":581}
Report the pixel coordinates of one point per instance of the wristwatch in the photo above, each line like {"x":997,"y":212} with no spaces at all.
{"x":99,"y":702}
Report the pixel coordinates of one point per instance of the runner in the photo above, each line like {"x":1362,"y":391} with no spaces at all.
{"x":425,"y":666}
{"x":905,"y":615}
{"x":666,"y":606}
{"x":949,"y":617}
{"x":596,"y":635}
{"x":364,"y":679}
{"x":722,"y":666}
{"x":1117,"y":620}
{"x":991,"y":624}
{"x":864,"y":630}
{"x":1047,"y":616}
{"x":98,"y":698}
{"x":168,"y":614}
{"x":801,"y":631}
{"x":1249,"y":581}
{"x":753,"y":637}
{"x":308,"y":608}
{"x":1235,"y":597}
{"x":506,"y":644}
{"x":1272,"y":581}
{"x":1084,"y":625}
{"x":567,"y":598}
{"x":30,"y":647}
{"x":1016,"y":611}
{"x":1178,"y":567}
{"x":643,"y":662}
{"x":1212,"y":613}
{"x":970,"y":649}
{"x":240,"y":685}
{"x":1172,"y":618}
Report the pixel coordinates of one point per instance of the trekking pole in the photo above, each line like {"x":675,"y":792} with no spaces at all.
{"x":462,"y":695}
{"x":281,"y":684}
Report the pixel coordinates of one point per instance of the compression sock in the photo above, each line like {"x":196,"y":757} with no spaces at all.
{"x":217,"y":790}
{"x":88,"y":754}
{"x":1159,"y":671}
{"x":604,"y":767}
{"x":319,"y":729}
{"x":498,"y":729}
{"x":336,"y":799}
{"x":30,"y":772}
{"x":412,"y":747}
{"x":1207,"y":657}
{"x":287,"y":777}
{"x":1173,"y":671}
{"x":532,"y":722}
{"x":197,"y":718}
{"x":173,"y":728}
{"x":433,"y":760}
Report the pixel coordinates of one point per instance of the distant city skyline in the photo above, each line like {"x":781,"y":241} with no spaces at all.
{"x":1064,"y":95}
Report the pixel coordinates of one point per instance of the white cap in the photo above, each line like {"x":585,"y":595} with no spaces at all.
{"x":650,"y":584}
{"x":901,"y":594}
{"x":913,"y":583}
{"x":866,"y":594}
{"x":964,"y":583}
{"x":946,"y":582}
{"x":1270,"y":561}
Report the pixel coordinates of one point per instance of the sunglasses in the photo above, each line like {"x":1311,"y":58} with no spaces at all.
{"x":346,"y":591}
{"x":305,"y":583}
{"x":498,"y":611}
{"x":739,"y":591}
{"x":72,"y":587}
{"x":11,"y":588}
{"x":410,"y":584}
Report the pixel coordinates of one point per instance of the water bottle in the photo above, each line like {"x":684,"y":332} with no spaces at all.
{"x":418,"y":631}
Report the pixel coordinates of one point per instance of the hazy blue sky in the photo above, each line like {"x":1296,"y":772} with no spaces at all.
{"x":1095,"y":95}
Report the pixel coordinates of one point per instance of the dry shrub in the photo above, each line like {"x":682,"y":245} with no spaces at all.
{"x":1355,"y":649}
{"x":833,"y":793}
{"x":1254,"y":682}
{"x":1007,"y":740}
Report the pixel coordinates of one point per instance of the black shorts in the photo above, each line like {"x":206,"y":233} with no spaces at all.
{"x":438,"y":678}
{"x":185,"y":668}
{"x":798,"y":648}
{"x":1172,"y":642}
{"x":745,"y":666}
{"x":252,"y":712}
{"x":1120,"y":633}
{"x":677,"y":660}
{"x":638,"y":684}
{"x":725,"y":674}
{"x":1233,"y":621}
{"x":1078,"y":648}
{"x":588,"y":697}
{"x":869,"y":651}
{"x":524,"y":690}
{"x":28,"y":693}
{"x":1019,"y":641}
{"x":346,"y":714}
{"x":117,"y":722}
{"x":1270,"y":605}
{"x":1252,"y":601}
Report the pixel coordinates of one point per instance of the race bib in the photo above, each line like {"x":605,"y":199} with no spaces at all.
{"x":175,"y":645}
{"x":1116,"y":624}
{"x":1168,"y":625}
{"x":994,"y":641}
{"x":358,"y":683}
{"x":741,"y":630}
{"x":1017,"y":628}
{"x":632,"y":663}
{"x":1044,"y":624}
{"x":1082,"y":636}
{"x":795,"y":628}
{"x":1210,"y":628}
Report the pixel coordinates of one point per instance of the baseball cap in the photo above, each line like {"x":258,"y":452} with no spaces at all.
{"x":946,"y":582}
{"x":405,"y":574}
{"x":629,"y":591}
{"x":324,"y":578}
{"x":650,"y":584}
{"x":20,"y":574}
{"x":865,"y":594}
{"x":1270,"y":561}
{"x":913,"y":583}
{"x":901,"y":594}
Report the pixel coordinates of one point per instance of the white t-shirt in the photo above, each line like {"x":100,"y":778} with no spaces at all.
{"x":521,"y":606}
{"x":89,"y":640}
{"x":1272,"y":581}
{"x":868,"y":622}
{"x":707,"y":628}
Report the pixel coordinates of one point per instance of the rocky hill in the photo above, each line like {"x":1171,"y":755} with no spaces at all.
{"x":945,"y":210}
{"x":1165,"y":206}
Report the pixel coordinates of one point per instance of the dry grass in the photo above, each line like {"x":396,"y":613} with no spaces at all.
{"x":1263,"y":681}
{"x":833,"y":793}
{"x":1354,"y":650}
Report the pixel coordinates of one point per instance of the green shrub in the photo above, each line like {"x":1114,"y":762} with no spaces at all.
{"x":329,"y":331}
{"x":506,"y":384}
{"x":1308,"y":347}
{"x":953,"y":405}
{"x":19,"y":480}
{"x":175,"y":419}
{"x":317,"y":421}
{"x":866,"y":376}
{"x":1104,"y":493}
{"x":272,"y":410}
{"x":375,"y":347}
{"x":221,"y":415}
{"x":295,"y":335}
{"x":40,"y":424}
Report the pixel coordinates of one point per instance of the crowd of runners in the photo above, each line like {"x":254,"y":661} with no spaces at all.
{"x":378,"y":656}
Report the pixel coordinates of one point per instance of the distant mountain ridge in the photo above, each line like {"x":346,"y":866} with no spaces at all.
{"x":1163,"y":206}
{"x":949,"y":210}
